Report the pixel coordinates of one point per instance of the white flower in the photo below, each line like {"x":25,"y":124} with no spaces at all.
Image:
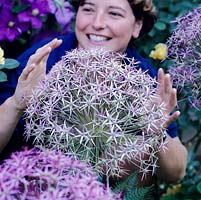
{"x":2,"y":59}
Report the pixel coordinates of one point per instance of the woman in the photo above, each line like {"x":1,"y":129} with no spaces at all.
{"x":111,"y":24}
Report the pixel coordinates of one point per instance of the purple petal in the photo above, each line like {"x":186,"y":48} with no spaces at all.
{"x":24,"y":16}
{"x":36,"y":23}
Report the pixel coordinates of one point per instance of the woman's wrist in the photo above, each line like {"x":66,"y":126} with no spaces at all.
{"x":13,"y":105}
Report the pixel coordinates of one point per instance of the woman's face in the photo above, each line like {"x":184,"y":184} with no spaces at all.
{"x":106,"y":23}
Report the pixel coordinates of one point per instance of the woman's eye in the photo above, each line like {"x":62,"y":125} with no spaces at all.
{"x":85,"y":9}
{"x":116,"y":14}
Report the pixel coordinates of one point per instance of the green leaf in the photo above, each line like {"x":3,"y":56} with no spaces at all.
{"x":160,"y":25}
{"x":19,"y":8}
{"x":169,"y":197}
{"x":1,"y":66}
{"x":132,"y":191}
{"x":3,"y":77}
{"x":11,"y":63}
{"x":199,"y":187}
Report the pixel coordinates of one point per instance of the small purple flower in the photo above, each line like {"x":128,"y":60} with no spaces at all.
{"x":184,"y":50}
{"x":48,"y":174}
{"x":10,"y":27}
{"x":34,"y":13}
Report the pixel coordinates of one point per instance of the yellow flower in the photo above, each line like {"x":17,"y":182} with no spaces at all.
{"x":175,"y":189}
{"x":2,"y":59}
{"x":160,"y":52}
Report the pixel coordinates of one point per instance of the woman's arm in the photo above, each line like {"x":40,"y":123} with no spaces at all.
{"x":12,"y":109}
{"x":9,"y":117}
{"x":172,"y":162}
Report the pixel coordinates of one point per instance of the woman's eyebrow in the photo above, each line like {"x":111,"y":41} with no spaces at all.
{"x":88,"y":3}
{"x":118,"y":8}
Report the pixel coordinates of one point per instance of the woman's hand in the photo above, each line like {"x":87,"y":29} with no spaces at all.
{"x":32,"y":74}
{"x":168,"y":96}
{"x":12,"y":109}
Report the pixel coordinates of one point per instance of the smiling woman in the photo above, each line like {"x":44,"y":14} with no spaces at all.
{"x":103,"y":23}
{"x":110,"y":24}
{"x":142,"y":9}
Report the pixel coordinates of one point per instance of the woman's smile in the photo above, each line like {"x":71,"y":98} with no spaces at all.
{"x":106,"y":23}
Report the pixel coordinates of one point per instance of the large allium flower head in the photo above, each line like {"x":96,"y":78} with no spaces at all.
{"x":184,"y":50}
{"x":95,"y":105}
{"x":49,"y":174}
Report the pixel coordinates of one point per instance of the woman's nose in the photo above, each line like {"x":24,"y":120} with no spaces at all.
{"x":99,"y":21}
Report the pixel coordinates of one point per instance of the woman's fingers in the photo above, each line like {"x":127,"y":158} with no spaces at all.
{"x":44,"y":51}
{"x":160,"y":82}
{"x":39,"y":60}
{"x":37,"y":57}
{"x":34,"y":71}
{"x":173,"y":99}
{"x":172,"y":118}
{"x":53,"y":44}
{"x":27,"y":70}
{"x":168,"y":96}
{"x":167,"y":84}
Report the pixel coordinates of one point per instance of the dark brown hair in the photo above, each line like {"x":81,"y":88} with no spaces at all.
{"x":142,"y":9}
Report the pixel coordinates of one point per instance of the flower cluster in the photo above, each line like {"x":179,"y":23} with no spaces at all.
{"x":34,"y":17}
{"x":97,"y":106}
{"x":48,"y":174}
{"x":184,"y":50}
{"x":6,"y":63}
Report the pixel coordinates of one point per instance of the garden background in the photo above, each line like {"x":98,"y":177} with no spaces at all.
{"x":60,"y":20}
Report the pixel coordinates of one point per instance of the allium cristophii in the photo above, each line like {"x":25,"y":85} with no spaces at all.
{"x":184,"y":50}
{"x":38,"y":175}
{"x":95,"y":105}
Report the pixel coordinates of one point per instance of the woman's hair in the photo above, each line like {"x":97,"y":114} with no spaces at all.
{"x":142,"y":9}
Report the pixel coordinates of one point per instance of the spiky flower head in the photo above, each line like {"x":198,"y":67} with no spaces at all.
{"x":49,"y":174}
{"x":95,"y":105}
{"x":184,"y":50}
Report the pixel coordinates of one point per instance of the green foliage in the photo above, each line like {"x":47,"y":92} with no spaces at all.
{"x":189,"y":124}
{"x":9,"y":64}
{"x":190,"y":186}
{"x":168,"y":10}
{"x":131,"y":191}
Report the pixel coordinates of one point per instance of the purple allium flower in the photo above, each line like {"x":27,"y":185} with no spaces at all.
{"x":10,"y":27}
{"x":48,"y":174}
{"x":184,"y":50}
{"x":34,"y":13}
{"x":95,"y":105}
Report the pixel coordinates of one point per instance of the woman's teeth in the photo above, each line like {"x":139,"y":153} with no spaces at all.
{"x":96,"y":38}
